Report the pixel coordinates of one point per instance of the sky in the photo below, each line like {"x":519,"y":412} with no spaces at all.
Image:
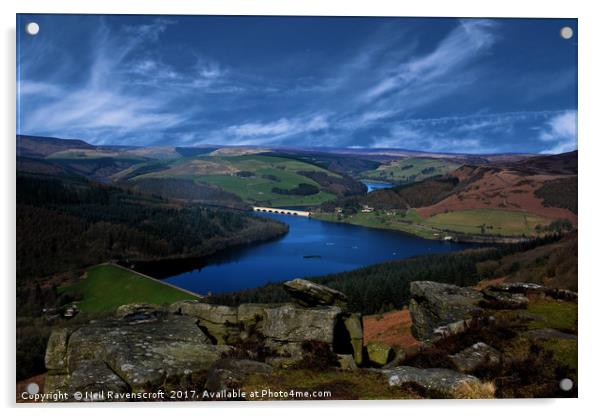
{"x":429,"y":84}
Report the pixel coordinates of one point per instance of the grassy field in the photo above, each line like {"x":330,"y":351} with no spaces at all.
{"x":488,"y":221}
{"x":251,"y":177}
{"x":107,"y":287}
{"x":494,"y":222}
{"x":409,"y":223}
{"x":410,"y":170}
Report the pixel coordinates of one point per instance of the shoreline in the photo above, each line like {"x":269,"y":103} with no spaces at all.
{"x":455,"y":236}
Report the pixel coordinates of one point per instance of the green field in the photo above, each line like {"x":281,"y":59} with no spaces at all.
{"x":107,"y":287}
{"x":410,"y":170}
{"x":488,"y":221}
{"x":265,"y":173}
{"x":409,"y":222}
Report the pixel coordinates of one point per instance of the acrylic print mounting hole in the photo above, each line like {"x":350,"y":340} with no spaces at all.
{"x":566,"y":32}
{"x":32,"y":28}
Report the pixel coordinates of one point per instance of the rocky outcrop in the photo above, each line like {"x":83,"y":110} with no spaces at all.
{"x":434,"y":305}
{"x":440,"y":382}
{"x":309,"y":294}
{"x":146,"y":346}
{"x":220,"y":323}
{"x":533,"y":289}
{"x":479,"y":355}
{"x":283,"y":327}
{"x":497,"y":299}
{"x":138,"y":348}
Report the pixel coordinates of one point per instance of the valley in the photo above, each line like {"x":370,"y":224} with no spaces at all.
{"x":186,"y":215}
{"x":435,"y":196}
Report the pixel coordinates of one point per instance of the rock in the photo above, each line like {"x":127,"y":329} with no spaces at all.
{"x":251,"y":317}
{"x":523,"y":288}
{"x":398,"y":358}
{"x":479,"y":355}
{"x":450,"y":329}
{"x":139,"y":312}
{"x":220,"y":323}
{"x":535,"y":289}
{"x":291,"y":323}
{"x":379,"y":353}
{"x":142,"y":352}
{"x":346,"y":361}
{"x":229,"y":374}
{"x":440,"y":382}
{"x":309,"y":294}
{"x":548,"y":333}
{"x":504,"y":300}
{"x":56,"y":351}
{"x":95,"y":377}
{"x":353,"y":325}
{"x":433,"y":305}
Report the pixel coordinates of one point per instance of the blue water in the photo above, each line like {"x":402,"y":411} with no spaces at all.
{"x":373,"y":186}
{"x":311,"y":248}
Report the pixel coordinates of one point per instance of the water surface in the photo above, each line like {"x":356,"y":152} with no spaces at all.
{"x":373,"y":186}
{"x":311,"y":248}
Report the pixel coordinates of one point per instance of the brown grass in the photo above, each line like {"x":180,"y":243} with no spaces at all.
{"x":479,"y":390}
{"x":391,"y":328}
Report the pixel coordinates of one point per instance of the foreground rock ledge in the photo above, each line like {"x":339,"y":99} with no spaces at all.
{"x":143,"y":347}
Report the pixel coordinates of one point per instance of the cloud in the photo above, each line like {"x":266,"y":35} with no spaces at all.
{"x":121,"y":98}
{"x":393,"y":86}
{"x":458,"y":49}
{"x":274,"y":131}
{"x":412,"y":138}
{"x":560,"y":132}
{"x":480,"y":133}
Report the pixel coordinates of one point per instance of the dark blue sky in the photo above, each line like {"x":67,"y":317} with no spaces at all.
{"x":451,"y":85}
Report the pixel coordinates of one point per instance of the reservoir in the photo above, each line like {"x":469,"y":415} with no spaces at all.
{"x":310,"y":248}
{"x":373,"y":186}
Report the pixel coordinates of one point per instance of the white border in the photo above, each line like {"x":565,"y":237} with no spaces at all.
{"x":590,"y":152}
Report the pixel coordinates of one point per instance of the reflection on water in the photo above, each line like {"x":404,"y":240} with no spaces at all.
{"x":311,"y":248}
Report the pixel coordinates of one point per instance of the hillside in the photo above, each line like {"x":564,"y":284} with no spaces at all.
{"x":36,"y":146}
{"x":70,"y":223}
{"x":226,"y":176}
{"x":519,"y":198}
{"x":410,"y":170}
{"x":512,"y":187}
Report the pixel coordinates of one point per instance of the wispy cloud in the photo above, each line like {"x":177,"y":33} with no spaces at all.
{"x":274,"y":131}
{"x":461,"y":47}
{"x":560,"y":132}
{"x":121,"y":97}
{"x":427,"y":86}
{"x":474,"y":133}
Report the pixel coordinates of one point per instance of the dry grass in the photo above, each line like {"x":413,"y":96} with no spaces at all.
{"x":478,"y":390}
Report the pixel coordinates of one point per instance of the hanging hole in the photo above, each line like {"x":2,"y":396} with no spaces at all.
{"x":566,"y":32}
{"x":32,"y":28}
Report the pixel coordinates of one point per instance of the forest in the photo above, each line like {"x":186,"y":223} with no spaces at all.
{"x":70,"y":223}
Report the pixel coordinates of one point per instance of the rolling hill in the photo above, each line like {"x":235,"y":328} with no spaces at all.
{"x":227,"y":176}
{"x":525,"y":197}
